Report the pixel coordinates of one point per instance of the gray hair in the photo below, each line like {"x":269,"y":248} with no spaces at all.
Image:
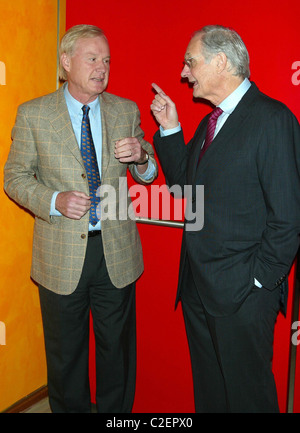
{"x":216,"y":39}
{"x":68,"y":42}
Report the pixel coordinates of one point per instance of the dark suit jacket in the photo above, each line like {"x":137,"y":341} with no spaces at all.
{"x":251,"y":182}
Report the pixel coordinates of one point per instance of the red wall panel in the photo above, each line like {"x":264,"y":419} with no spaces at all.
{"x":148,"y":41}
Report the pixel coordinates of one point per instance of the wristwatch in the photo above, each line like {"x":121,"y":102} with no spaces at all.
{"x":145,"y":162}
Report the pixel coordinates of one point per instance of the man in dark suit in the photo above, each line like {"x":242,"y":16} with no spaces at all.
{"x":233,"y":271}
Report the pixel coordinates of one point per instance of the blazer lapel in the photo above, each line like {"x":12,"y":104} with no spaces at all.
{"x":109,"y":117}
{"x":61,"y":123}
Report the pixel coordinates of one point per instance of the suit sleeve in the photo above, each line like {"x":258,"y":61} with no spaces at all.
{"x":20,"y":171}
{"x":173,"y":156}
{"x":278,"y":165}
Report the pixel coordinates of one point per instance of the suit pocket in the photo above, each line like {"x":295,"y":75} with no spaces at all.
{"x":238,"y":271}
{"x":239,"y":247}
{"x":239,"y":256}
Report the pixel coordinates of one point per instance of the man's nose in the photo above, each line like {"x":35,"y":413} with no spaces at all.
{"x":185,"y":71}
{"x":100,"y":66}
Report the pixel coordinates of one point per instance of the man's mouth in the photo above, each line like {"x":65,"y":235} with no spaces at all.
{"x":193,"y":83}
{"x":98,"y":80}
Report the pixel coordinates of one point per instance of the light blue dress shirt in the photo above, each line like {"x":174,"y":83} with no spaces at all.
{"x":75,"y":111}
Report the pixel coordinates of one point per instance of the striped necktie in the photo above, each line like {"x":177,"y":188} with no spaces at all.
{"x":211,"y":127}
{"x":90,"y":162}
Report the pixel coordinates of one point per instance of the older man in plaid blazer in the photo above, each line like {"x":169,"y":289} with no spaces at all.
{"x":80,"y":267}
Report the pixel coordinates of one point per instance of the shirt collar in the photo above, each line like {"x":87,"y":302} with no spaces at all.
{"x":229,"y":103}
{"x":76,"y":107}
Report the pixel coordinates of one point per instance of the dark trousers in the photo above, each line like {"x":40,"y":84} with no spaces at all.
{"x":66,"y":331}
{"x":232,"y":356}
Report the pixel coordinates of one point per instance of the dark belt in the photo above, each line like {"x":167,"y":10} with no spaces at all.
{"x":93,"y":233}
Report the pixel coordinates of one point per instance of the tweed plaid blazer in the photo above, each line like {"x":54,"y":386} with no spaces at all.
{"x":44,"y":158}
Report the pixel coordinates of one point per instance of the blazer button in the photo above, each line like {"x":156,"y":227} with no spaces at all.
{"x":83,"y":236}
{"x":83,"y":175}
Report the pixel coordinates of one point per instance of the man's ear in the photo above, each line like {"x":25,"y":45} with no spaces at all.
{"x":65,"y":61}
{"x":221,"y":62}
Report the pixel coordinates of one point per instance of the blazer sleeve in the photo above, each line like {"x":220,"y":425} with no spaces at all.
{"x":139,"y":134}
{"x":20,"y":180}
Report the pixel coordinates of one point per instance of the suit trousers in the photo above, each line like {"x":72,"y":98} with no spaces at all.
{"x":231,"y":356}
{"x":66,"y":321}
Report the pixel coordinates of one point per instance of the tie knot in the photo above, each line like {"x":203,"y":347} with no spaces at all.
{"x":85,"y":109}
{"x":216,"y":113}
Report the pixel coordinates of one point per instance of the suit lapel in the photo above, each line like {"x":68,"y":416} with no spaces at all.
{"x":233,"y":124}
{"x":61,"y":123}
{"x":195,"y":149}
{"x":109,"y":117}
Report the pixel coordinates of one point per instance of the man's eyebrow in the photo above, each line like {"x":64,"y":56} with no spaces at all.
{"x":91,"y":53}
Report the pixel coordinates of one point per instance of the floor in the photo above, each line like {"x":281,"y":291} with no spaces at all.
{"x":43,"y":407}
{"x":40,"y":407}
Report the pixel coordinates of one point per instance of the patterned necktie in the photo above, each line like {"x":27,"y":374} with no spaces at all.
{"x":90,"y":162}
{"x":211,"y":127}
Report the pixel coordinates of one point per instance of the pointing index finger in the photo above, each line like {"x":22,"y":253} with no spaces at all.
{"x":158,"y":89}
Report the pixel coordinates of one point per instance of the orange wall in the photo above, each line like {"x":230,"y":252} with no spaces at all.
{"x":27,"y":70}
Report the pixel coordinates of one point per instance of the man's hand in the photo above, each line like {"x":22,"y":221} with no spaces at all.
{"x":73,"y":204}
{"x":130,"y":150}
{"x":164,"y":109}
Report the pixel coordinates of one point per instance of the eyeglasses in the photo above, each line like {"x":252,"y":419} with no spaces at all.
{"x":190,"y":61}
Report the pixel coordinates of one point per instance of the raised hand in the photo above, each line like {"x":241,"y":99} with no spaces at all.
{"x":164,"y":109}
{"x":130,"y":150}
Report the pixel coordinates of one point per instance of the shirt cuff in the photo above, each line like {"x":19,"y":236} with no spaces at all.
{"x":149,"y":173}
{"x":53,"y":210}
{"x":166,"y":132}
{"x":257,"y":283}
